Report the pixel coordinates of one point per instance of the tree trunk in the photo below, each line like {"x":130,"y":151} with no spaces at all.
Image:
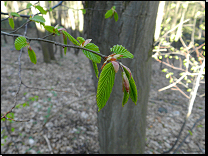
{"x":122,"y":129}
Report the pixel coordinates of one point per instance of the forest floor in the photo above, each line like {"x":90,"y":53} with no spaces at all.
{"x":66,"y":122}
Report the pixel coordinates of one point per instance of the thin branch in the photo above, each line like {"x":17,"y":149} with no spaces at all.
{"x":173,"y":84}
{"x":11,"y":136}
{"x":180,"y":91}
{"x":179,"y":135}
{"x":50,"y":89}
{"x":28,"y":16}
{"x":194,"y":90}
{"x":56,"y":43}
{"x":188,"y":134}
{"x":48,"y":143}
{"x":170,"y":31}
{"x":170,"y":65}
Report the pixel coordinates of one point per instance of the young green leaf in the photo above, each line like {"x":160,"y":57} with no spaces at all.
{"x":133,"y":89}
{"x":11,"y":22}
{"x":83,"y":11}
{"x":32,"y":55}
{"x":65,"y":42}
{"x":14,"y":14}
{"x":51,"y":29}
{"x":116,"y":16}
{"x":105,"y":85}
{"x":113,"y":8}
{"x":109,"y":13}
{"x":119,"y":49}
{"x":40,"y":8}
{"x":80,"y":39}
{"x":95,"y":68}
{"x":29,"y":5}
{"x":20,"y":42}
{"x":38,"y":19}
{"x":95,"y":58}
{"x":125,"y":96}
{"x":72,"y":39}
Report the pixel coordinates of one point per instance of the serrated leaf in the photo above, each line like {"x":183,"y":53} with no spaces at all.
{"x":119,"y":49}
{"x":95,"y":58}
{"x":116,"y":16}
{"x":11,"y":23}
{"x":80,"y":39}
{"x":29,"y":5}
{"x":38,"y":19}
{"x":95,"y":68}
{"x":109,"y":13}
{"x":32,"y":55}
{"x":51,"y":29}
{"x":20,"y":42}
{"x":105,"y":85}
{"x":132,"y":89}
{"x":40,"y":8}
{"x":14,"y":14}
{"x":72,"y":39}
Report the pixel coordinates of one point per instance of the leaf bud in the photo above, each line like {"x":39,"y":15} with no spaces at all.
{"x":115,"y":65}
{"x":125,"y":81}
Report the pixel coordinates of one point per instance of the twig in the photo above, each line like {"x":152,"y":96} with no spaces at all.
{"x":173,"y":84}
{"x":177,"y":138}
{"x":56,"y":43}
{"x":20,"y":80}
{"x":181,"y":91}
{"x":50,"y":89}
{"x":170,"y":65}
{"x":28,"y":16}
{"x":78,"y":93}
{"x":171,"y":31}
{"x":194,"y":90}
{"x":188,"y":134}
{"x":48,"y":143}
{"x":202,"y":150}
{"x":11,"y":136}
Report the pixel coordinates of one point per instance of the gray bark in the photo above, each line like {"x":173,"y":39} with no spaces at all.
{"x":122,"y":129}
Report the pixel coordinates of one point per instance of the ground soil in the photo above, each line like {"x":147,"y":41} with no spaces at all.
{"x":66,"y":122}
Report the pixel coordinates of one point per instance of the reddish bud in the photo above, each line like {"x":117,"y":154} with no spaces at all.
{"x":29,"y":48}
{"x":127,"y":69}
{"x":125,"y":81}
{"x":117,"y":56}
{"x":61,"y":29}
{"x":115,"y":65}
{"x":86,"y":42}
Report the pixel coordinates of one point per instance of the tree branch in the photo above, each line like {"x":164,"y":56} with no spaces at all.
{"x":56,"y":43}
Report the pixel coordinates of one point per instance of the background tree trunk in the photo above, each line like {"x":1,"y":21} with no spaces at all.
{"x":122,"y":129}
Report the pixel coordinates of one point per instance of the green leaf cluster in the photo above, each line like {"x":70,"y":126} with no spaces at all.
{"x":112,"y":12}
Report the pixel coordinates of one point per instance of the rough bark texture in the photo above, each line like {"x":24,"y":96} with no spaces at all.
{"x":122,"y":129}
